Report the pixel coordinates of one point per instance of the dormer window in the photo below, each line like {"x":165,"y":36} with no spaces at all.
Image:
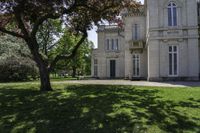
{"x":172,"y":14}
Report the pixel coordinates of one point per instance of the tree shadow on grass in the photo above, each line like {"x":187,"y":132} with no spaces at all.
{"x":92,"y":109}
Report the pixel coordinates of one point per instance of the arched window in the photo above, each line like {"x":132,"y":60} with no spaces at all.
{"x":172,"y":14}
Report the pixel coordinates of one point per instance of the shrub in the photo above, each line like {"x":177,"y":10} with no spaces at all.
{"x":17,"y":69}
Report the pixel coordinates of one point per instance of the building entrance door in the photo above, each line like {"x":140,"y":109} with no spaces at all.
{"x":112,"y":68}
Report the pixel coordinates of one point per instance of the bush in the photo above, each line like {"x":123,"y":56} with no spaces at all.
{"x":17,"y":69}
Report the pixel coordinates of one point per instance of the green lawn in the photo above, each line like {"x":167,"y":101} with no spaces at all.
{"x":98,"y":109}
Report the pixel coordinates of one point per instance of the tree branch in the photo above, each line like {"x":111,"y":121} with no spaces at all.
{"x":52,"y":46}
{"x":51,"y":16}
{"x":21,"y":24}
{"x":73,"y":53}
{"x":41,"y":20}
{"x":3,"y":30}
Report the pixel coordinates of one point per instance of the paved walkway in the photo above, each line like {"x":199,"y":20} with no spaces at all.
{"x":135,"y":83}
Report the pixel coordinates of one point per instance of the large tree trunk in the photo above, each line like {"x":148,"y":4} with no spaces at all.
{"x":43,"y":69}
{"x":74,"y":72}
{"x":44,"y":78}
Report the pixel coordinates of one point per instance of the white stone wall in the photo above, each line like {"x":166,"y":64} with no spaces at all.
{"x":104,"y":56}
{"x":184,"y":35}
{"x":130,"y":21}
{"x":159,"y":36}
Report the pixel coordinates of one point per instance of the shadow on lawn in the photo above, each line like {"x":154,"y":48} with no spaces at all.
{"x":91,"y":109}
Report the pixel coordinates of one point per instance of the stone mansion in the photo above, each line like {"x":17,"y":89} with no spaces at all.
{"x":159,"y":41}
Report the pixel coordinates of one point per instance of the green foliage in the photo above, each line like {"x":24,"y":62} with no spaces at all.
{"x":17,"y":69}
{"x":12,"y":47}
{"x":98,"y":109}
{"x":81,"y":63}
{"x":47,"y":36}
{"x":15,"y":63}
{"x":55,"y":39}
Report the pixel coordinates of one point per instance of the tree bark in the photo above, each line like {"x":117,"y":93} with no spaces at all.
{"x":74,"y":72}
{"x":42,"y":66}
{"x":44,"y":78}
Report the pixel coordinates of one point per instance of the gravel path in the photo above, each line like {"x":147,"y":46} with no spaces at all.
{"x":135,"y":83}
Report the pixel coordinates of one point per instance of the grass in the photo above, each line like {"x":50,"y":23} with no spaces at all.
{"x":63,"y":79}
{"x":37,"y":81}
{"x":98,"y":109}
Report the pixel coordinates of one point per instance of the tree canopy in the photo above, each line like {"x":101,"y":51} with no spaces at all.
{"x":81,"y":63}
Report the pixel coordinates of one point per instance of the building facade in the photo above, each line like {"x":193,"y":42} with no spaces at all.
{"x":158,"y":41}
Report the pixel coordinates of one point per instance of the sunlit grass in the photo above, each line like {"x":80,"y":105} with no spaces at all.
{"x":98,"y":109}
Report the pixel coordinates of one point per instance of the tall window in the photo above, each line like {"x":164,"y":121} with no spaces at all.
{"x":95,"y":67}
{"x":172,"y":14}
{"x":136,"y":65}
{"x":116,"y":44}
{"x":173,"y":60}
{"x":107,"y":44}
{"x":198,"y":7}
{"x":135,"y":32}
{"x":113,"y":44}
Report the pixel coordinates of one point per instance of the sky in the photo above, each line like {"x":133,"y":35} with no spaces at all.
{"x":92,"y":35}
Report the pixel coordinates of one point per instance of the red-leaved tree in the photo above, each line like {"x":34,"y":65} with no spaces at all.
{"x":23,"y":18}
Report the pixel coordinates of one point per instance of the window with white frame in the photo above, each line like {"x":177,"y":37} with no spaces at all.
{"x":95,"y":67}
{"x":116,"y":44}
{"x":173,"y":60}
{"x":135,"y":32}
{"x":172,"y":14}
{"x":112,"y":44}
{"x":107,"y":44}
{"x":136,"y":65}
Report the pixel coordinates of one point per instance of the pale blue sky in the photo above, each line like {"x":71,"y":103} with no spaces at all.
{"x":92,"y":35}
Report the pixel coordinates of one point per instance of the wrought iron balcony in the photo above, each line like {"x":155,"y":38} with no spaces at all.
{"x":136,"y":45}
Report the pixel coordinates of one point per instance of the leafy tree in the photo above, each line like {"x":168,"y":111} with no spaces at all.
{"x":80,"y":62}
{"x":23,"y":19}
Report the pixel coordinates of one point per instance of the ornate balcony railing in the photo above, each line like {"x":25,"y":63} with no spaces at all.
{"x":135,"y":45}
